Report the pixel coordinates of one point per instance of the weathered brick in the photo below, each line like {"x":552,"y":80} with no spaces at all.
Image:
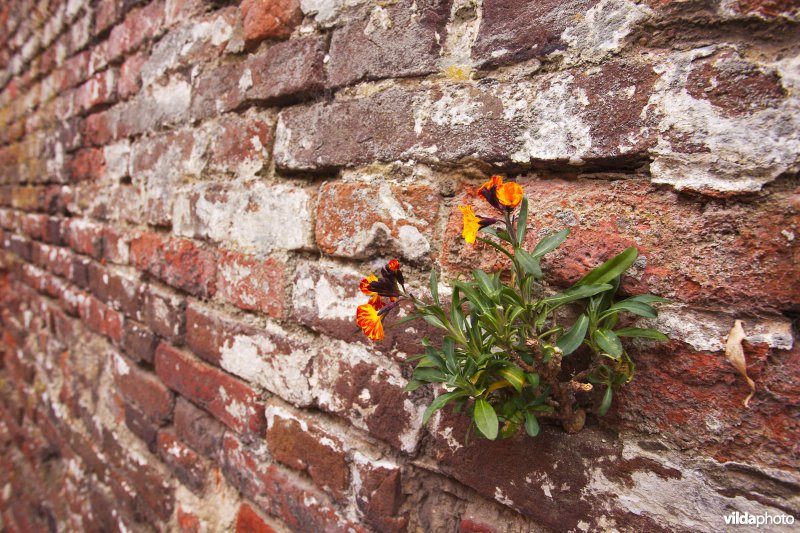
{"x":367,"y":389}
{"x":244,"y":216}
{"x":144,"y":390}
{"x":380,"y":493}
{"x":119,"y":290}
{"x":141,"y":426}
{"x":84,"y":236}
{"x":269,"y":357}
{"x":196,"y":428}
{"x":251,"y":284}
{"x":190,"y":468}
{"x":99,"y":90}
{"x":231,"y":401}
{"x":301,"y":509}
{"x":87,"y":164}
{"x":100,"y":318}
{"x":495,"y":123}
{"x":130,"y":80}
{"x":138,"y":342}
{"x":164,"y":313}
{"x":269,"y":19}
{"x":388,"y":41}
{"x":248,"y":521}
{"x":354,"y":221}
{"x":240,"y":144}
{"x":140,"y":25}
{"x":695,"y":269}
{"x":160,"y":162}
{"x":299,"y":442}
{"x":285,"y":72}
{"x":178,"y":262}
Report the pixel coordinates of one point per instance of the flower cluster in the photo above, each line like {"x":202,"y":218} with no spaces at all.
{"x":390,"y":286}
{"x":504,"y":197}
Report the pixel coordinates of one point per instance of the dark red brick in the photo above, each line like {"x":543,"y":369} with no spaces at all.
{"x":190,"y":468}
{"x":197,"y":428}
{"x":138,"y":342}
{"x":231,"y":401}
{"x":252,"y":284}
{"x":144,"y":390}
{"x":249,"y":521}
{"x":390,"y":41}
{"x":165,"y":314}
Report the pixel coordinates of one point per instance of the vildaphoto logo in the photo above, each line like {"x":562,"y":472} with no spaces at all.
{"x":747,"y":519}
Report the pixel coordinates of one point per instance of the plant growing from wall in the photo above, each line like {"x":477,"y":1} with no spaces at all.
{"x":500,"y":360}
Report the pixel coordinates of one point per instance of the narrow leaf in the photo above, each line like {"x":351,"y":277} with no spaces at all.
{"x":644,"y":333}
{"x":434,"y":287}
{"x":413,"y":385}
{"x":532,"y":378}
{"x":606,"y":403}
{"x":485,"y":418}
{"x":550,"y":243}
{"x":608,"y":341}
{"x":528,"y":263}
{"x":646,"y":299}
{"x":434,"y":321}
{"x":637,"y":308}
{"x":514,"y":375}
{"x":522,"y":221}
{"x":440,"y":402}
{"x":531,"y":425}
{"x":495,"y":246}
{"x":575,"y":293}
{"x":572,"y":339}
{"x":611,"y":268}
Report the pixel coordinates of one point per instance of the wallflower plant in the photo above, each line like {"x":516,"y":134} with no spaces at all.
{"x":505,"y":339}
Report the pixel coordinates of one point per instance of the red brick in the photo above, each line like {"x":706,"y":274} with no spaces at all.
{"x":100,"y":89}
{"x":279,"y":495}
{"x":249,"y":521}
{"x":190,"y":468}
{"x":252,"y":284}
{"x":99,"y":128}
{"x":269,"y":19}
{"x":116,"y":246}
{"x":177,"y":262}
{"x":197,"y":429}
{"x":141,"y":426}
{"x":130,"y":80}
{"x":87,"y":164}
{"x":350,"y":220}
{"x":231,"y":401}
{"x":240,"y":144}
{"x":188,"y":522}
{"x":139,"y":26}
{"x":120,"y":291}
{"x":144,"y":390}
{"x":101,"y":319}
{"x":269,"y":357}
{"x":380,"y":495}
{"x":84,"y":236}
{"x":297,"y":441}
{"x":138,"y":342}
{"x":409,"y":46}
{"x":164,"y":313}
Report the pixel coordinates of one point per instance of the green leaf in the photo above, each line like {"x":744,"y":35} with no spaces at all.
{"x":485,"y":418}
{"x":439,"y":402}
{"x":522,"y":221}
{"x":531,"y":425}
{"x":637,"y":308}
{"x":575,"y":293}
{"x":611,"y":268}
{"x":435,"y":287}
{"x":513,"y":375}
{"x":532,"y":378}
{"x":485,"y":283}
{"x":644,"y":333}
{"x":608,"y":341}
{"x":413,"y":385}
{"x":646,"y":299}
{"x":434,"y":321}
{"x":429,"y":375}
{"x":550,"y":243}
{"x":572,"y":339}
{"x":405,"y":320}
{"x":528,"y":263}
{"x":495,"y":246}
{"x":606,"y":403}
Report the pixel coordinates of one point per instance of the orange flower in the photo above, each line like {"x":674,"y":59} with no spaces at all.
{"x":473,"y":223}
{"x":369,"y":321}
{"x":509,"y":194}
{"x":394,"y":265}
{"x":374,"y":298}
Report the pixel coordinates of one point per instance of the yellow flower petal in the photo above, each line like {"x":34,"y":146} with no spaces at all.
{"x":471,"y":224}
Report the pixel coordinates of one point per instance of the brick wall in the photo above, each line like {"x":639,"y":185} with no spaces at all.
{"x":190,"y":191}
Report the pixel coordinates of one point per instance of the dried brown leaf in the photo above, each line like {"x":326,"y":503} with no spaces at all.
{"x":734,"y":353}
